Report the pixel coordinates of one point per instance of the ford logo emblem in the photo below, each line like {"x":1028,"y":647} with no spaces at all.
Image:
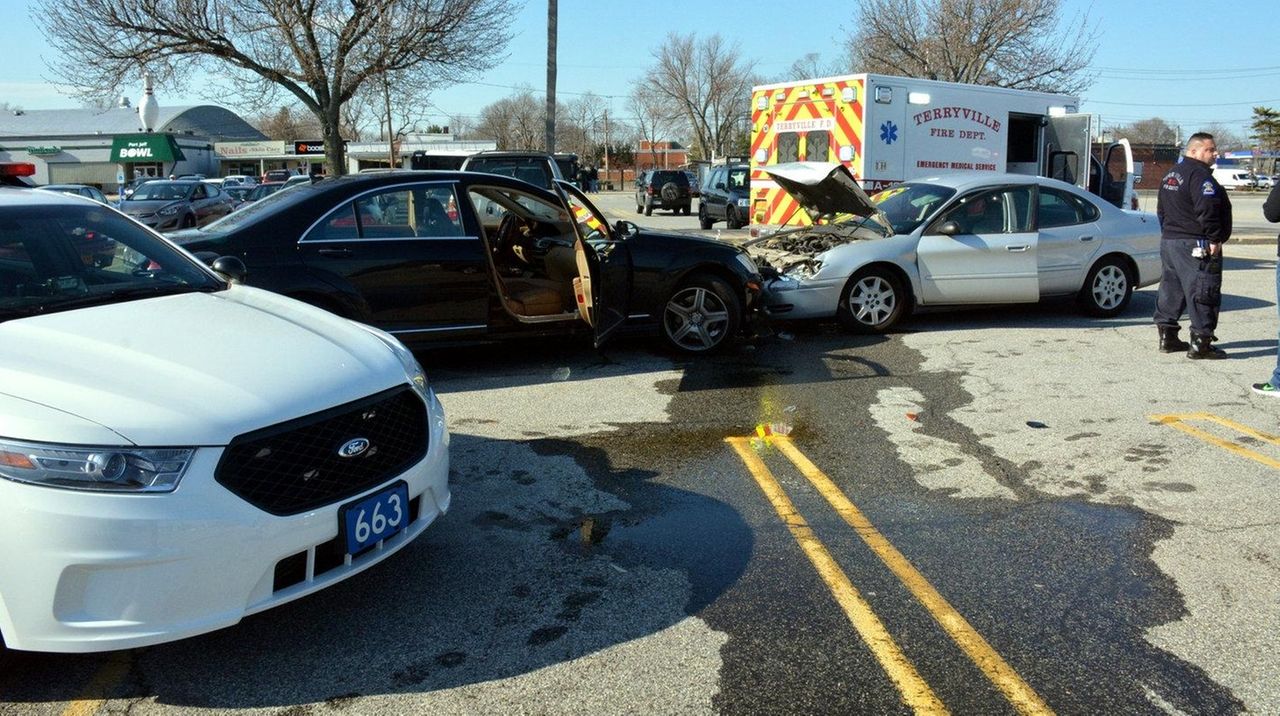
{"x":353,"y":448}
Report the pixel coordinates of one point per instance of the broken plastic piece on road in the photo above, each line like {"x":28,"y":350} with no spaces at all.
{"x":913,"y":416}
{"x":1036,"y":424}
{"x":561,"y":373}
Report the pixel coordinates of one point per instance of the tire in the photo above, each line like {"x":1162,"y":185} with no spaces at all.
{"x":731,"y":218}
{"x":639,"y":209}
{"x":701,"y":315}
{"x":687,"y":208}
{"x":1107,"y":288}
{"x":704,"y":221}
{"x":648,"y":207}
{"x":670,"y":193}
{"x":873,"y":301}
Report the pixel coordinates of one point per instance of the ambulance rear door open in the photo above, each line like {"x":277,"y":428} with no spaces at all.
{"x":1066,"y":148}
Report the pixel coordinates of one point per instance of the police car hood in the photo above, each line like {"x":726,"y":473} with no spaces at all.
{"x":183,"y":370}
{"x":825,"y":189}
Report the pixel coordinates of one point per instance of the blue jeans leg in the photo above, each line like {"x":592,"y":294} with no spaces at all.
{"x":1275,"y":374}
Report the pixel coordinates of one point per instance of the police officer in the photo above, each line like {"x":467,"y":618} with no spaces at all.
{"x":1195,"y":220}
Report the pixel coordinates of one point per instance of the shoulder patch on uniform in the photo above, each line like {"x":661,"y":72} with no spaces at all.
{"x":1207,"y":189}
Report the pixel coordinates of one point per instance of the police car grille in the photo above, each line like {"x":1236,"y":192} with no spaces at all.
{"x":296,"y":466}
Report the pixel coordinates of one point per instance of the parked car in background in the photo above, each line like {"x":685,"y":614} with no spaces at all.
{"x":280,"y":175}
{"x":176,"y":204}
{"x":250,"y":450}
{"x":297,"y":179}
{"x":84,"y":190}
{"x":412,"y":253}
{"x":964,"y":238}
{"x":538,"y":168}
{"x":136,"y":182}
{"x":194,"y":177}
{"x":231,"y":180}
{"x":666,"y":189}
{"x":695,"y":188}
{"x":1263,"y":181}
{"x":239,"y":195}
{"x":726,"y":197}
{"x":264,"y":190}
{"x":1231,"y":178}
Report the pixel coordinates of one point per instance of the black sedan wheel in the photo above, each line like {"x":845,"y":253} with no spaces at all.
{"x":1107,"y":289}
{"x":872,"y":302}
{"x":701,"y":315}
{"x":704,"y":221}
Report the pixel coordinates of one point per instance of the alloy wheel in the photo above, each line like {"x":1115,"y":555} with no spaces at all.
{"x":872,"y":300}
{"x":696,"y":319}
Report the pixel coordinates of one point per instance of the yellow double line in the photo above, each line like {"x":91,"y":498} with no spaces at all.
{"x":1183,"y":422}
{"x":916,"y":693}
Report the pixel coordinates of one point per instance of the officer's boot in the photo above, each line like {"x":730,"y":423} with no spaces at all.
{"x":1202,"y":347}
{"x":1169,"y":341}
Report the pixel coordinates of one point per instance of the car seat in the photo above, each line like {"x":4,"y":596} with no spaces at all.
{"x":433,"y":220}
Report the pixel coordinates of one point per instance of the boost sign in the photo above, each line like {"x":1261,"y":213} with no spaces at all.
{"x":308,"y":147}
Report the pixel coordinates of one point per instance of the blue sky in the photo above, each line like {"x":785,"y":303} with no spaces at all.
{"x":1181,"y":61}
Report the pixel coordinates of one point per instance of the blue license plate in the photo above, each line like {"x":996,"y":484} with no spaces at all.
{"x":375,"y":518}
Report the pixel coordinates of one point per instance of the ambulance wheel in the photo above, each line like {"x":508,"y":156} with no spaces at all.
{"x":731,"y":218}
{"x":873,"y":301}
{"x":1108,"y":287}
{"x":704,"y":221}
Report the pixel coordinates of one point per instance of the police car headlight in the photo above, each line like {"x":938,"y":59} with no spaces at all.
{"x":413,"y":371}
{"x":98,"y":469}
{"x":170,"y":210}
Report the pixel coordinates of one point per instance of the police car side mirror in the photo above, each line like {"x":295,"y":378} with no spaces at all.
{"x":625,"y":228}
{"x":230,"y":267}
{"x":948,"y":228}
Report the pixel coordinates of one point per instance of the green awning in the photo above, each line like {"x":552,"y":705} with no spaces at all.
{"x":136,"y":148}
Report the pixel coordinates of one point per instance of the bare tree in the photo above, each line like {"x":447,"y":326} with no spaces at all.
{"x":319,"y":51}
{"x":708,"y":82}
{"x":655,"y":116}
{"x":812,"y":65}
{"x":1007,"y":43}
{"x":516,"y":122}
{"x":1149,"y":131}
{"x":287,"y":123}
{"x":581,"y":125}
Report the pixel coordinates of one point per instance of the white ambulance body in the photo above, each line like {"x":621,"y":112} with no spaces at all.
{"x":889,"y":129}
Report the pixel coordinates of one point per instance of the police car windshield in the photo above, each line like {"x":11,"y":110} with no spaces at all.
{"x":910,"y":205}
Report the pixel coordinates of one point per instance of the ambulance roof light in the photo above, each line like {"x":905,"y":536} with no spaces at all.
{"x":917,"y":98}
{"x":1057,"y":111}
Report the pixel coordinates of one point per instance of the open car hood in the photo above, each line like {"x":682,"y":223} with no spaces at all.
{"x":825,"y":189}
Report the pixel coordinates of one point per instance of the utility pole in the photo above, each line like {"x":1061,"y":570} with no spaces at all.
{"x":551,"y":76}
{"x":606,"y":145}
{"x":391,"y":139}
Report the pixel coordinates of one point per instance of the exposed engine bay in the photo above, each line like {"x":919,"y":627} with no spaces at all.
{"x":795,"y":248}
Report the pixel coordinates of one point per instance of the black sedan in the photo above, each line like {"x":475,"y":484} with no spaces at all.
{"x":461,"y":256}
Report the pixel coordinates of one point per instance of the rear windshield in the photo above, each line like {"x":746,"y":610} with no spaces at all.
{"x":532,"y":169}
{"x":660,"y":178}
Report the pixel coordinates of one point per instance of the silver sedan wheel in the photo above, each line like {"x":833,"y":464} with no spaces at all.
{"x":1110,"y":287}
{"x":696,"y":319}
{"x":872,"y":300}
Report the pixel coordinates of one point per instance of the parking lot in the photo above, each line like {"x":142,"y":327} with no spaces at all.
{"x":990,"y":511}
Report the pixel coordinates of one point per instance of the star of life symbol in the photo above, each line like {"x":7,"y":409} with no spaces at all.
{"x":888,"y":132}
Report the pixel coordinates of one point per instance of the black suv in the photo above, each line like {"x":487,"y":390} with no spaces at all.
{"x":726,"y":196}
{"x":665,"y":189}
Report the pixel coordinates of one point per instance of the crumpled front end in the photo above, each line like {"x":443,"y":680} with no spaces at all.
{"x":799,"y":281}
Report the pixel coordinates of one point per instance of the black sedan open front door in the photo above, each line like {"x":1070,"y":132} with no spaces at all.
{"x":408,"y":256}
{"x":603,"y":286}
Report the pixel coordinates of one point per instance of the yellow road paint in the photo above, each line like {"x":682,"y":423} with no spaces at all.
{"x":1017,"y":691}
{"x":95,"y":692}
{"x":916,"y":693}
{"x":1180,"y":422}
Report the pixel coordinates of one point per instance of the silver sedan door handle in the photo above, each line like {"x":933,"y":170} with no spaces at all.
{"x":1086,"y":238}
{"x":1017,"y":249}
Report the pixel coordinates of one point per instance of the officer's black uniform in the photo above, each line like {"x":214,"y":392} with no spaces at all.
{"x":1192,"y":207}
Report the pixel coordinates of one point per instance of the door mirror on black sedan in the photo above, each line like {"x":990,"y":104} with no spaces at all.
{"x":230,"y":267}
{"x":948,"y":228}
{"x":625,"y":229}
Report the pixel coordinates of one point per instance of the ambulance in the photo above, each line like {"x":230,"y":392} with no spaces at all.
{"x":888,"y":129}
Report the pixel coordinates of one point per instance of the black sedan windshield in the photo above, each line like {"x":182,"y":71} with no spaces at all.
{"x":55,"y":258}
{"x":909,"y":205}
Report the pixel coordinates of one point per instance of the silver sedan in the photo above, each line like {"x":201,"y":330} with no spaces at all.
{"x":967,"y":238}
